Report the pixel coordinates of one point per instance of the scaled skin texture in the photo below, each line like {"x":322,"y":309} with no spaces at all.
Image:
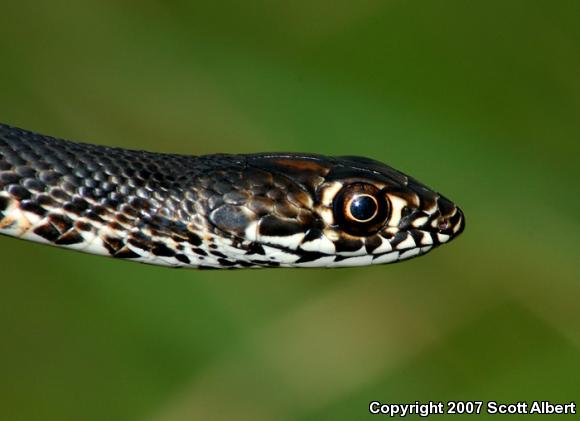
{"x":216,"y":211}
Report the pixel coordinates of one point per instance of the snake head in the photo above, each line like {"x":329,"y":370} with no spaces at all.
{"x":343,"y":211}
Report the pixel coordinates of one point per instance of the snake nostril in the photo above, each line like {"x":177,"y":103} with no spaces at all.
{"x":451,"y":225}
{"x":443,"y":225}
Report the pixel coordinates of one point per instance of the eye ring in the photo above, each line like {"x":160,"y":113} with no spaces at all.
{"x":360,"y":209}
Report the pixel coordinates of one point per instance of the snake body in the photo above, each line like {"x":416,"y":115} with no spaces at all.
{"x":216,"y":211}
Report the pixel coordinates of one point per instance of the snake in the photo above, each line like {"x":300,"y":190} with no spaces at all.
{"x":261,"y":210}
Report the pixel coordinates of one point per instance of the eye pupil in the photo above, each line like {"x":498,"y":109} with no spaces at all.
{"x":363,"y":208}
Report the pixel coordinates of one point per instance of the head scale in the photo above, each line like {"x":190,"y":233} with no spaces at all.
{"x":309,"y":210}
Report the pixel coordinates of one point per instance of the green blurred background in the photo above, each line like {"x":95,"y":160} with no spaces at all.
{"x":480,"y":100}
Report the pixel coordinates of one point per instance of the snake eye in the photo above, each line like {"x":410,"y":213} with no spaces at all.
{"x":360,"y":210}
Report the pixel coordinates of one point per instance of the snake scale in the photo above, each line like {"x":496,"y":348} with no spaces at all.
{"x":217,"y":211}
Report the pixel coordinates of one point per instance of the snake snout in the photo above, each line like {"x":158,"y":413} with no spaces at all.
{"x":447,"y":222}
{"x":450,"y":219}
{"x":432,"y":215}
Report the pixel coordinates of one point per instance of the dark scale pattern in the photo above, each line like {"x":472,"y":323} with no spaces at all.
{"x":261,"y":210}
{"x":111,"y":187}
